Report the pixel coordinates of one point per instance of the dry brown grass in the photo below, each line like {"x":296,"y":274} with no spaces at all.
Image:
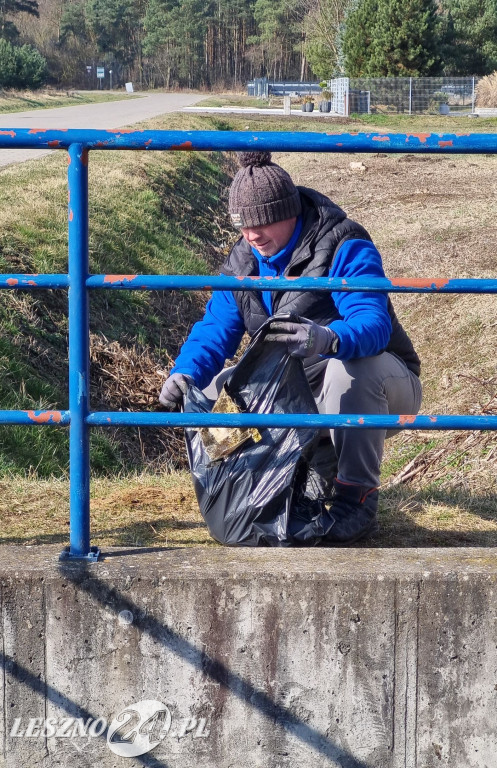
{"x":152,"y":510}
{"x":140,"y":511}
{"x":486,"y":91}
{"x":432,"y":217}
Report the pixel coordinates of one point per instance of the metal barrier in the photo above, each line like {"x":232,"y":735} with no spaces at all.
{"x":262,"y":88}
{"x":79,"y":282}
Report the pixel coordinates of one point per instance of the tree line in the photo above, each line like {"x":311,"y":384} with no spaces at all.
{"x":224,"y":43}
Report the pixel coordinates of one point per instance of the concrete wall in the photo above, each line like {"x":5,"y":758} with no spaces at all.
{"x":261,"y":658}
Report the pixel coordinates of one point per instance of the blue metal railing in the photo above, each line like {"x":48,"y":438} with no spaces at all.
{"x":79,"y":282}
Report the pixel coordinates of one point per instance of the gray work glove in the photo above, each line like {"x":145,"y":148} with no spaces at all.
{"x":173,"y":390}
{"x":304,"y":338}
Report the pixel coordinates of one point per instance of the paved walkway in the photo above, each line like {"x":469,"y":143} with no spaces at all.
{"x":111,"y":114}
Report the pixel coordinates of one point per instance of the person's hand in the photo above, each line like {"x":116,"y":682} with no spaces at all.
{"x":173,"y":390}
{"x":304,"y":338}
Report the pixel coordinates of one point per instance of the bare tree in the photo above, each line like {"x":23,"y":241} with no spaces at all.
{"x":322,"y":22}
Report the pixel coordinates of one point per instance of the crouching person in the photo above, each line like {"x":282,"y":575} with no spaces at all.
{"x":356,"y":355}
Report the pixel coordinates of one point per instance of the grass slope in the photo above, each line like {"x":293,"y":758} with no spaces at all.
{"x":20,"y":101}
{"x":149,"y":213}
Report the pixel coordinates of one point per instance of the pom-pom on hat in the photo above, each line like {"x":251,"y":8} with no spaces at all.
{"x":262,"y":192}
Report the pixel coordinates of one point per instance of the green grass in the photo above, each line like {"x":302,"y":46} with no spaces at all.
{"x":21,"y":101}
{"x":361,"y":123}
{"x":438,"y":123}
{"x":400,"y":123}
{"x":405,"y":454}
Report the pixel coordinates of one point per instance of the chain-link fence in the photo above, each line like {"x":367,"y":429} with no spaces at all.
{"x":409,"y":95}
{"x":363,"y":95}
{"x":262,"y":88}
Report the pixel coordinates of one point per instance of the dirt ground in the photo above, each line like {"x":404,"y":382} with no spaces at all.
{"x":430,"y":216}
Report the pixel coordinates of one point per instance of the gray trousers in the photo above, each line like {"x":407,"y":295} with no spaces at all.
{"x":379,"y":385}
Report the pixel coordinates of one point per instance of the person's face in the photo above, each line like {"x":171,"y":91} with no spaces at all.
{"x":270,"y":238}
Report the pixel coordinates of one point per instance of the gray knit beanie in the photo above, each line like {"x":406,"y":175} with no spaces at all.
{"x":262,"y":192}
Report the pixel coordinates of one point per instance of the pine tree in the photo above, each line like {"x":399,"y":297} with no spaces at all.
{"x":469,"y":36}
{"x":278,"y":38}
{"x":389,"y":38}
{"x":175,"y":34}
{"x":358,"y":37}
{"x":405,"y":44}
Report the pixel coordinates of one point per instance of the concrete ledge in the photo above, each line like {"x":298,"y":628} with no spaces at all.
{"x":485,"y":112}
{"x":259,"y":658}
{"x":295,"y":112}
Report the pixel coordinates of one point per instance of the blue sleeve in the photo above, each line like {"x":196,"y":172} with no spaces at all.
{"x":212,"y":340}
{"x":365,"y":327}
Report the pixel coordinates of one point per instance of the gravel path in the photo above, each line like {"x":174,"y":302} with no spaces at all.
{"x":112,"y":114}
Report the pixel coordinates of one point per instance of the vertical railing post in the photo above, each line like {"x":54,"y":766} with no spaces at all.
{"x":79,"y":383}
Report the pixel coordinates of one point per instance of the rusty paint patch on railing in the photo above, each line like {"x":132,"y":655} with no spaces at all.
{"x":44,"y":417}
{"x":420,"y":282}
{"x":112,"y":279}
{"x":124,"y":130}
{"x":186,"y":145}
{"x":422,"y":137}
{"x":406,"y":419}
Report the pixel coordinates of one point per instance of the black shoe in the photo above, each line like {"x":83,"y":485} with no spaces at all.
{"x":354,"y":509}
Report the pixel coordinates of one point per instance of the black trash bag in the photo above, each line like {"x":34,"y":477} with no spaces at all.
{"x":263,"y":493}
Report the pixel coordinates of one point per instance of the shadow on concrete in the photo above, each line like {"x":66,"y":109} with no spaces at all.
{"x":82,"y":575}
{"x":136,"y":551}
{"x":24,"y":676}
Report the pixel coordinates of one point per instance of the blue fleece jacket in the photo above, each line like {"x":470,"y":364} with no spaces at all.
{"x":364,"y":328}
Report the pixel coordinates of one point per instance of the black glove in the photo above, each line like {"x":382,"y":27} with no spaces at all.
{"x":304,"y":338}
{"x":173,"y":390}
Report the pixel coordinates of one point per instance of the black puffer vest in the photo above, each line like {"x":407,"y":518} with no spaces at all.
{"x":325,"y":228}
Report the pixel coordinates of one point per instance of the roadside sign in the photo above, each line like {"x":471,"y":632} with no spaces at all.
{"x":100,"y":72}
